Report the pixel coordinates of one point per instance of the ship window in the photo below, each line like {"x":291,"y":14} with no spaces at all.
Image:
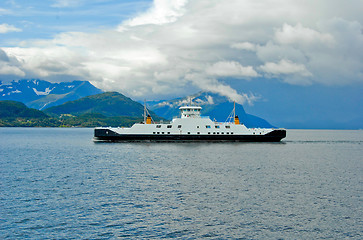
{"x":197,"y":126}
{"x":228,"y":126}
{"x":158,"y":126}
{"x":154,"y":132}
{"x":158,"y":132}
{"x":207,"y":126}
{"x":227,"y":132}
{"x":222,"y":132}
{"x":162,"y":133}
{"x":198,"y":132}
{"x":214,"y":132}
{"x":188,"y":132}
{"x":169,"y":126}
{"x":217,"y":126}
{"x":168,"y":132}
{"x":179,"y":126}
{"x":217,"y":132}
{"x":208,"y":132}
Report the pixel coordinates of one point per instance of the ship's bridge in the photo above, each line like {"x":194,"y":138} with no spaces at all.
{"x":190,"y":111}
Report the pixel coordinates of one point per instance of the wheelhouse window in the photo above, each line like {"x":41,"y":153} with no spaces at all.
{"x":217,"y":126}
{"x":158,"y":126}
{"x":169,"y":126}
{"x":207,"y":126}
{"x":179,"y":126}
{"x":228,"y":126}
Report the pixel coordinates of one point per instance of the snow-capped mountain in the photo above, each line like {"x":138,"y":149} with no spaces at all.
{"x":213,"y":105}
{"x":41,"y":94}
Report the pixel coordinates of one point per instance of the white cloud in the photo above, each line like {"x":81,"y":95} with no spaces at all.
{"x":162,"y":11}
{"x":5,"y":69}
{"x":244,"y":46}
{"x":285,"y":67}
{"x":4,"y":11}
{"x":66,"y":3}
{"x":5,"y":28}
{"x":177,"y":47}
{"x":302,"y":35}
{"x":230,"y":69}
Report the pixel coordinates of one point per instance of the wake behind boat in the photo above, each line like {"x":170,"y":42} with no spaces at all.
{"x":190,"y":126}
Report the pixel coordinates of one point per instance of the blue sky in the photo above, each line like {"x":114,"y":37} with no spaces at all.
{"x":168,"y":48}
{"x":44,"y":19}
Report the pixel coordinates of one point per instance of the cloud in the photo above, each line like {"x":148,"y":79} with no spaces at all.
{"x":230,"y":69}
{"x":66,"y":3}
{"x":178,"y":47}
{"x":285,"y":67}
{"x":4,"y":11}
{"x":5,"y":28}
{"x":302,"y":35}
{"x":244,"y":46}
{"x":9,"y":66}
{"x":161,"y":12}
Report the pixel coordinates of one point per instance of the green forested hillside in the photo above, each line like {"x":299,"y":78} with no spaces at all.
{"x":16,"y":114}
{"x":13,"y":109}
{"x":109,"y":104}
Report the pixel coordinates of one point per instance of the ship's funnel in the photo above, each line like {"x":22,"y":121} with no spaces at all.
{"x":148,"y":119}
{"x":236,"y":120}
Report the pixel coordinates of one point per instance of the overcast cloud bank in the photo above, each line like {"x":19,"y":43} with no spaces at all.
{"x":179,"y":45}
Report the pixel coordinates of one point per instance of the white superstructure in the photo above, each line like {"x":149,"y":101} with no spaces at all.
{"x":191,"y":123}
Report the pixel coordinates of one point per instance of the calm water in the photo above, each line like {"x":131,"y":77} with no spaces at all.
{"x":58,"y":184}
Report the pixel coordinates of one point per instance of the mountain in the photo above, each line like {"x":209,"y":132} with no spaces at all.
{"x":213,"y":105}
{"x":16,"y":114}
{"x":41,"y":94}
{"x":109,"y":104}
{"x":13,"y":109}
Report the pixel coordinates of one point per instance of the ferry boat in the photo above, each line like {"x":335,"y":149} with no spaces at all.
{"x":190,"y":126}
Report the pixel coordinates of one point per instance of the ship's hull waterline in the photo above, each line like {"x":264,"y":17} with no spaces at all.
{"x":107,"y":134}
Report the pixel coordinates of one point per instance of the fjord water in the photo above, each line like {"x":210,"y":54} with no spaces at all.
{"x":59,"y":184}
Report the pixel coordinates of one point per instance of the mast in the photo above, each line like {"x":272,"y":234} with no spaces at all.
{"x":234,"y":109}
{"x":144,"y":110}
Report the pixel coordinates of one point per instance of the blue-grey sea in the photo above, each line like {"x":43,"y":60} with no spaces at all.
{"x":58,"y":184}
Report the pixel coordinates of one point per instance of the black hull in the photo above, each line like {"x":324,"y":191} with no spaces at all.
{"x":109,"y":135}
